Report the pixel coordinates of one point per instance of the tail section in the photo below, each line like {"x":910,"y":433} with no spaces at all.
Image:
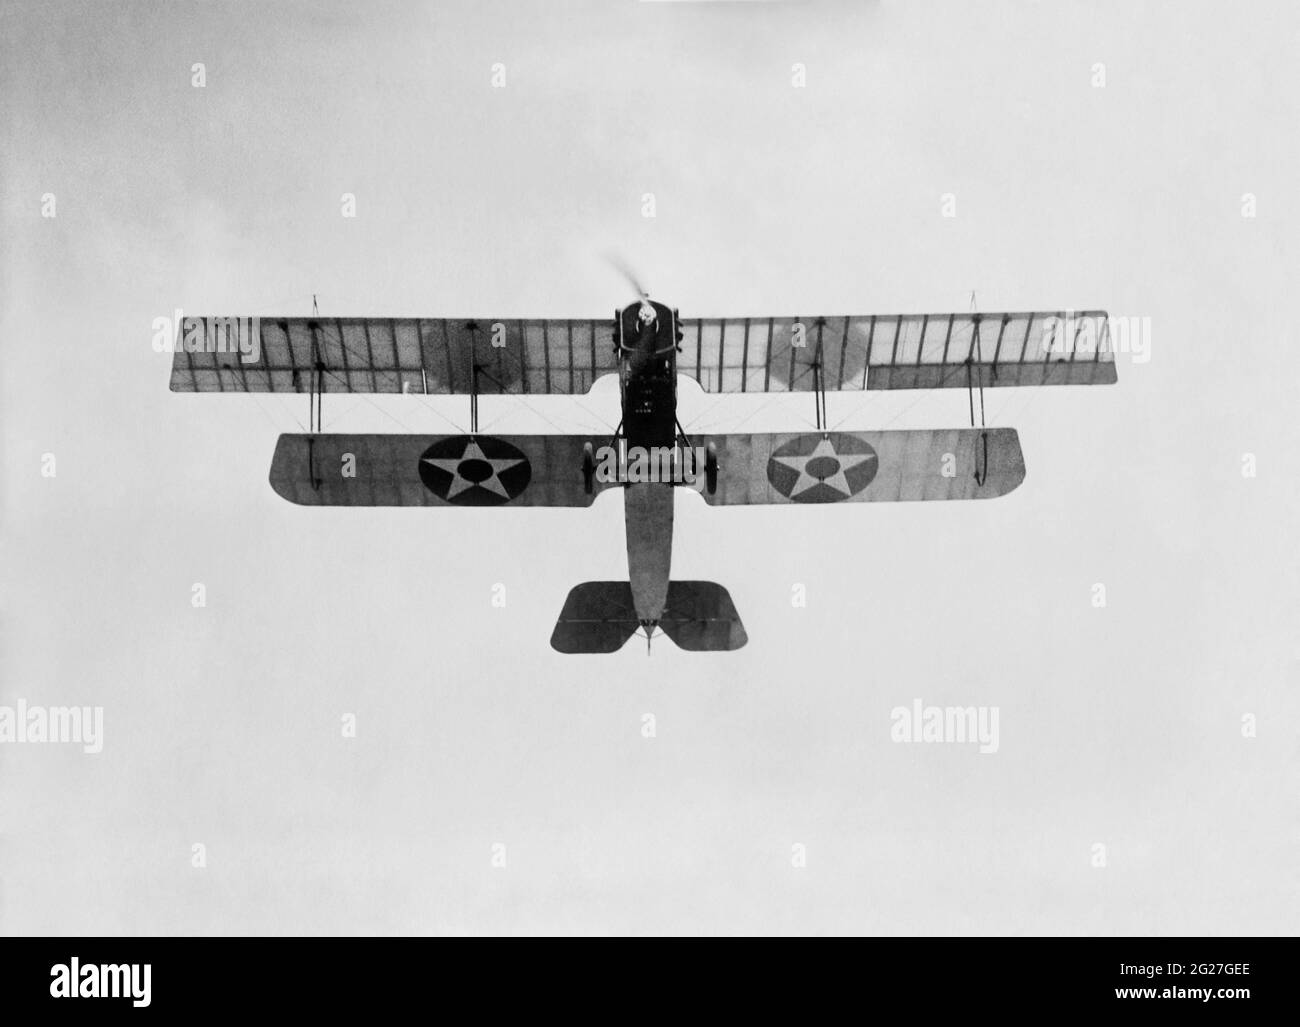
{"x":600,"y":616}
{"x":700,"y":618}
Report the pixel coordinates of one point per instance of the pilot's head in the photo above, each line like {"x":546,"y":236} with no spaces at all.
{"x":646,"y":315}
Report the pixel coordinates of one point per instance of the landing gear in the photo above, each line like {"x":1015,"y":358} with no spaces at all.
{"x":710,"y":459}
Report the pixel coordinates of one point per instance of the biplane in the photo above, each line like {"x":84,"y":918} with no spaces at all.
{"x":649,"y":454}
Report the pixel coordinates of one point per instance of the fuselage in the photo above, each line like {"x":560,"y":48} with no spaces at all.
{"x":647,"y":342}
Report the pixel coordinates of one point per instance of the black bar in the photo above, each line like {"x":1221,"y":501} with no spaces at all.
{"x":913,"y":980}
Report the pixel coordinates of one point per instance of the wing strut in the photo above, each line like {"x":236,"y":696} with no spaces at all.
{"x":315,"y":397}
{"x":981,"y":465}
{"x":819,"y":380}
{"x":819,"y":394}
{"x":316,"y":382}
{"x":473,"y":401}
{"x":473,"y":395}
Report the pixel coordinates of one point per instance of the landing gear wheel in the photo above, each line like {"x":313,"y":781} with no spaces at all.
{"x":711,"y":468}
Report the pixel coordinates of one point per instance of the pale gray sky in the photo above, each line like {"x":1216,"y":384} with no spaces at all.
{"x":1119,"y":726}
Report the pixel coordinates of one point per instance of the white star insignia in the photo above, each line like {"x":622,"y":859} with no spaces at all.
{"x":460,"y":483}
{"x":837,"y":481}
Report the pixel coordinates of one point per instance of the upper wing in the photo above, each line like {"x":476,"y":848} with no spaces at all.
{"x":434,"y":470}
{"x":387,"y":354}
{"x":908,"y":351}
{"x":865,"y":466}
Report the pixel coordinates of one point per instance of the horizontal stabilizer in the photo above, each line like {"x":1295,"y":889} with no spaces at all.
{"x":700,"y":618}
{"x":598,"y":617}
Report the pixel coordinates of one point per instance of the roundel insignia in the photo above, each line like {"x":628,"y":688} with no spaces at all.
{"x":474,"y":470}
{"x":822,"y":468}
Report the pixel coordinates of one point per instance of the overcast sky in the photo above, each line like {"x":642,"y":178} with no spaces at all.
{"x":1119,"y":726}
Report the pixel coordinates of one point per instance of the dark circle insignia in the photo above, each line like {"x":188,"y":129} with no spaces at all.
{"x":474,"y":470}
{"x":822,"y":468}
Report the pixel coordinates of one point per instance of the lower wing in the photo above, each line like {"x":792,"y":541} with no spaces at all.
{"x":570,"y":470}
{"x":862,"y":466}
{"x":437,"y":470}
